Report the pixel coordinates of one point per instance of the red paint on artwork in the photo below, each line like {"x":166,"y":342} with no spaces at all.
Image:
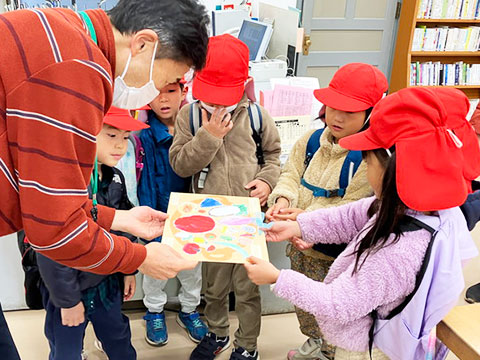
{"x":195,"y":224}
{"x":211,"y":248}
{"x":191,"y":248}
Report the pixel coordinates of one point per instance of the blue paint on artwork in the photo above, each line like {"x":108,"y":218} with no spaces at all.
{"x":209,"y":202}
{"x":242,"y":251}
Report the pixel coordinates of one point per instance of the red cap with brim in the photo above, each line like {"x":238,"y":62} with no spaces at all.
{"x":216,"y":93}
{"x":354,"y":87}
{"x":429,"y":169}
{"x":121,"y":119}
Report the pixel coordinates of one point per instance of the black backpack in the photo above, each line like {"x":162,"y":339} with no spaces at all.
{"x":33,"y":297}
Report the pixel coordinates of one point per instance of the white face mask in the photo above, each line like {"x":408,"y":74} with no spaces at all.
{"x":129,"y":97}
{"x":211,"y":109}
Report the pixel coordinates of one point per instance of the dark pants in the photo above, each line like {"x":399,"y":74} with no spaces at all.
{"x":8,"y":350}
{"x":111,"y":327}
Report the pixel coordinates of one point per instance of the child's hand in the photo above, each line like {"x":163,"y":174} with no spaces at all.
{"x":282,"y":230}
{"x":73,"y":316}
{"x":300,"y":244}
{"x":281,"y":203}
{"x":261,"y":272}
{"x":289,"y":214}
{"x":219,"y":123}
{"x":130,"y":286}
{"x":260,"y":189}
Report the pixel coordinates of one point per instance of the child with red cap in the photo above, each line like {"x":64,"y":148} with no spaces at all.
{"x":158,"y":180}
{"x":73,"y":297}
{"x":221,"y":156}
{"x":405,"y":246}
{"x":313,"y":180}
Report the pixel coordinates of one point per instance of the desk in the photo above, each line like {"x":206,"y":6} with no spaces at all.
{"x":460,"y":331}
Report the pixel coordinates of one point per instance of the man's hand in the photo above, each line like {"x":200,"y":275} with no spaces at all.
{"x":162,"y":262}
{"x":73,"y":316}
{"x":272,"y":212}
{"x":129,"y":288}
{"x":259,"y":189}
{"x":141,"y":221}
{"x":219,"y":123}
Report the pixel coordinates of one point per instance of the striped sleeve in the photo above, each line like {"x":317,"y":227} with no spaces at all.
{"x":53,"y":143}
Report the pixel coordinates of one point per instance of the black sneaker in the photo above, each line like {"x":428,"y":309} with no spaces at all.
{"x":473,"y":294}
{"x":210,"y":346}
{"x":242,"y":354}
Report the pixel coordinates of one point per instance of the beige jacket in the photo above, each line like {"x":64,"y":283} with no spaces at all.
{"x":233,"y":162}
{"x":323,"y":171}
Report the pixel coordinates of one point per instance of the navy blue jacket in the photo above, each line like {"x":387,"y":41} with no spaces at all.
{"x":64,"y":284}
{"x":471,"y":207}
{"x":158,"y":179}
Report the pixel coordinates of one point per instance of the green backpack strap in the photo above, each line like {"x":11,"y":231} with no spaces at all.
{"x":89,"y":24}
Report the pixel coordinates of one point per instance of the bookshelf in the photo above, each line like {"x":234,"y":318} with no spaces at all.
{"x":404,"y":56}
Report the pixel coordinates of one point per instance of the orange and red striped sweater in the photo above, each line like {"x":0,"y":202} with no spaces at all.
{"x":55,"y":87}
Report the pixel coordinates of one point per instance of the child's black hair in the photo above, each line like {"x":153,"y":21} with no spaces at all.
{"x":389,"y":210}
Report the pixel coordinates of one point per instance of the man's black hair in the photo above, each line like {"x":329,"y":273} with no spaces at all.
{"x":181,"y":26}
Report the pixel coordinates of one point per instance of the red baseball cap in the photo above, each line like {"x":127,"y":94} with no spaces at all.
{"x":429,"y":170}
{"x":354,"y":87}
{"x":121,"y":119}
{"x":457,"y":105}
{"x":222,"y":80}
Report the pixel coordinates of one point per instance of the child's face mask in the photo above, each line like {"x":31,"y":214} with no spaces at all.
{"x":210,"y":109}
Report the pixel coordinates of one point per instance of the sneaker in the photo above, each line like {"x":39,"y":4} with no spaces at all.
{"x":98,"y":345}
{"x":242,"y":354}
{"x":194,"y":326}
{"x":473,"y":294}
{"x":310,"y":350}
{"x":210,"y":346}
{"x":156,"y":329}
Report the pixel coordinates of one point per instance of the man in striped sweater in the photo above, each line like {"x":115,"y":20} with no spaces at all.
{"x":56,"y":83}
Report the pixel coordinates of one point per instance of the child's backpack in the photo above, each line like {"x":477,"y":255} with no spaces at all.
{"x":349,"y":168}
{"x":256,"y":124}
{"x":33,"y":297}
{"x":139,"y":154}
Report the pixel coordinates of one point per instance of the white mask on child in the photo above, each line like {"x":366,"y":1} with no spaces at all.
{"x":130,"y":97}
{"x":211,"y":109}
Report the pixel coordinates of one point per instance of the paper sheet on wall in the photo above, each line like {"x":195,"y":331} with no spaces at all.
{"x":290,"y":128}
{"x":215,"y":228}
{"x":290,"y":100}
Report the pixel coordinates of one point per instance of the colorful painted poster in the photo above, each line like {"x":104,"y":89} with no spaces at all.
{"x":215,"y":228}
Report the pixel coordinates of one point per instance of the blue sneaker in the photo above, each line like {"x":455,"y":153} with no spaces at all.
{"x":156,"y":329}
{"x":194,"y":326}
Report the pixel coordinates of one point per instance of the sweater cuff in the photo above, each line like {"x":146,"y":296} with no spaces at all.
{"x":303,"y":220}
{"x":286,"y":284}
{"x":138,"y":255}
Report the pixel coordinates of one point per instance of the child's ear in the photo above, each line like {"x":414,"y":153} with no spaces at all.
{"x":184,"y":92}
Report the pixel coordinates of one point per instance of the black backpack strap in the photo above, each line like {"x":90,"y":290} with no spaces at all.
{"x":256,"y":123}
{"x":408,"y":224}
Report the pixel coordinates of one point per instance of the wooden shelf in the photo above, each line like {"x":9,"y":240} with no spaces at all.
{"x":445,"y":53}
{"x":404,"y":56}
{"x":449,"y":86}
{"x":448,"y":21}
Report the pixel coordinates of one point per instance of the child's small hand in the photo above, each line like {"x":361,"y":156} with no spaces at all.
{"x":259,"y":189}
{"x":129,"y":288}
{"x":261,"y":272}
{"x":73,"y":316}
{"x":288,"y":214}
{"x":282,"y":230}
{"x":300,"y":244}
{"x":219,"y":123}
{"x":281,"y":203}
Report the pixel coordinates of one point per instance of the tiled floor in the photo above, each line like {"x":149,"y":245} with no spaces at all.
{"x":279,"y":332}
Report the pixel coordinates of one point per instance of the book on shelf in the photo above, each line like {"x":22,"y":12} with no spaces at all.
{"x":435,"y":73}
{"x":449,"y":9}
{"x":446,"y":38}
